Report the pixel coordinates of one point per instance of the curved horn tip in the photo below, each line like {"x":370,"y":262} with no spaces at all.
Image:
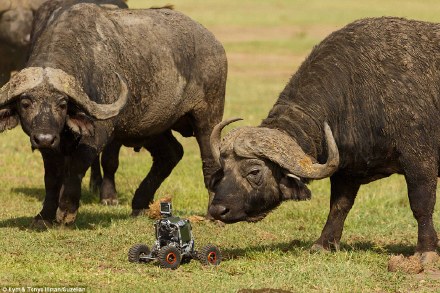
{"x":214,"y":139}
{"x":231,"y":120}
{"x":293,"y":176}
{"x":333,"y":160}
{"x":327,"y":127}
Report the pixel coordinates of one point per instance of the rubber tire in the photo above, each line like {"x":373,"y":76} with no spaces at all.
{"x":210,"y":255}
{"x":169,"y":257}
{"x":136,"y":251}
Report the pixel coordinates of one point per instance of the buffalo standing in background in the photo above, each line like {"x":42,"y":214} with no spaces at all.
{"x":16,"y":26}
{"x":98,"y":75}
{"x":364,"y":105}
{"x":15,"y":31}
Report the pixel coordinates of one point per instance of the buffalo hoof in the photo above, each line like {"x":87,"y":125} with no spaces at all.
{"x":110,"y":201}
{"x":427,"y":258}
{"x":41,"y":225}
{"x":139,"y":212}
{"x":320,"y":248}
{"x":65,"y":217}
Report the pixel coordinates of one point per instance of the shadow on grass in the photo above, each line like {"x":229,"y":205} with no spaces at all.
{"x":87,"y":197}
{"x":91,"y":220}
{"x":396,"y":248}
{"x":22,"y":223}
{"x":301,"y":245}
{"x":35,"y":192}
{"x":85,"y":221}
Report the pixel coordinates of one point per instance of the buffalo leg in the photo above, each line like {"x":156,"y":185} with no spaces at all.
{"x":76,"y":167}
{"x":422,"y":184}
{"x":110,"y":163}
{"x":95,"y":176}
{"x":204,"y":123}
{"x":166,"y":152}
{"x":343,"y":194}
{"x":208,"y":163}
{"x":53,"y":178}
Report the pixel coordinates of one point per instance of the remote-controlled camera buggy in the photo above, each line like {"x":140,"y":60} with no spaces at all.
{"x":174,"y":244}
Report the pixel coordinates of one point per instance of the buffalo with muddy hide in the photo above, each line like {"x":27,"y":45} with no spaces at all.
{"x":99,"y":76}
{"x":364,"y":104}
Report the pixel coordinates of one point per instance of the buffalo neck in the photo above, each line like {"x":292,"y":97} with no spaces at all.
{"x":309,"y":100}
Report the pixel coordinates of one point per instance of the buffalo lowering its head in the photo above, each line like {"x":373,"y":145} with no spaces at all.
{"x":45,"y":100}
{"x":16,"y":17}
{"x":261,"y":167}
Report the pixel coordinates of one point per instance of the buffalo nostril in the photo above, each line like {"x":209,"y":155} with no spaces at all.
{"x":44,"y":140}
{"x":224,"y":211}
{"x":218,"y":210}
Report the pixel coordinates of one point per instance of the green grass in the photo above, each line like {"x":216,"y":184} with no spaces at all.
{"x":265,"y":42}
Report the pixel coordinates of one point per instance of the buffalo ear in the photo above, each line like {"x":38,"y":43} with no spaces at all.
{"x":293,"y":188}
{"x":80,"y":124}
{"x":8,"y":119}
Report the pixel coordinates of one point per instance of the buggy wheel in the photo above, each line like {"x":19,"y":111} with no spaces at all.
{"x":169,"y":257}
{"x":138,"y":250}
{"x":209,"y":255}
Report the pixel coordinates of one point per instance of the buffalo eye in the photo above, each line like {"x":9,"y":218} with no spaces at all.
{"x":254,"y":172}
{"x":62,"y":104}
{"x":25,"y":102}
{"x":254,"y":176}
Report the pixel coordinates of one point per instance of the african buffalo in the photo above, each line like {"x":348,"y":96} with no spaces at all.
{"x":16,"y":30}
{"x":99,"y":75}
{"x":365,"y":104}
{"x":46,"y":13}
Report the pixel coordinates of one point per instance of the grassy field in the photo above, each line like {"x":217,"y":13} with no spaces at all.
{"x":265,"y":43}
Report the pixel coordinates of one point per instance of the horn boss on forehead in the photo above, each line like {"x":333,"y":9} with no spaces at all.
{"x":67,"y":84}
{"x":32,"y":77}
{"x":281,"y":149}
{"x":24,"y":80}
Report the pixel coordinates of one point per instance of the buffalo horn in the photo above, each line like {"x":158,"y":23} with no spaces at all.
{"x":67,"y":84}
{"x":22,"y":81}
{"x":216,"y":136}
{"x":281,"y":149}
